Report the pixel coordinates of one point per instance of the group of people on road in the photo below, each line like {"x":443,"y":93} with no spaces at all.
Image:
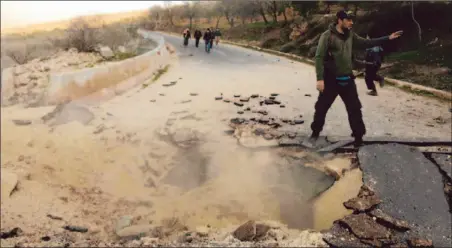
{"x":210,"y":36}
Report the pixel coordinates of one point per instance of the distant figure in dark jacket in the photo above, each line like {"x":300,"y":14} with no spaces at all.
{"x":374,"y":59}
{"x":208,"y":39}
{"x":197,"y":36}
{"x":187,"y":36}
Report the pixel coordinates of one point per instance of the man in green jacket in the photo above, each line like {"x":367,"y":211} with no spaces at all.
{"x":333,"y":64}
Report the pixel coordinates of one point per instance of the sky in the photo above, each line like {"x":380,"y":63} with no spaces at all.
{"x":21,"y":13}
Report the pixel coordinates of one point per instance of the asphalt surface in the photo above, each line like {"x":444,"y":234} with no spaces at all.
{"x":411,"y":188}
{"x":235,"y":70}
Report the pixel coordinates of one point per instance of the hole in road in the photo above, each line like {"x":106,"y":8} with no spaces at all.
{"x":223,"y":184}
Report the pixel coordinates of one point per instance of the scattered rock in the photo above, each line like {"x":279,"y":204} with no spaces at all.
{"x":135,"y":231}
{"x":152,"y":100}
{"x":276,"y":102}
{"x":245,"y":99}
{"x":99,"y":129}
{"x":238,"y":104}
{"x":218,"y":98}
{"x":202,"y":231}
{"x":8,"y":182}
{"x":22,"y":122}
{"x":11,"y":234}
{"x":282,"y":106}
{"x":341,"y":237}
{"x":76,"y":229}
{"x":268,"y":136}
{"x":259,"y":131}
{"x":147,"y":241}
{"x":366,"y":200}
{"x":263,"y":120}
{"x":123,"y":222}
{"x":362,"y":204}
{"x":193,"y":94}
{"x":106,"y":52}
{"x":297,"y":122}
{"x":272,"y":98}
{"x":236,"y":96}
{"x":440,"y":120}
{"x":185,"y":101}
{"x":364,"y":227}
{"x":240,"y":112}
{"x":161,"y":94}
{"x":307,"y":95}
{"x":269,"y":102}
{"x":388,"y":220}
{"x":238,"y":121}
{"x":226,"y":100}
{"x":416,"y":242}
{"x":250,"y":231}
{"x":292,"y":135}
{"x":53,"y":217}
{"x":257,"y":95}
{"x":274,"y":94}
{"x":45,"y":238}
{"x":262,"y":112}
{"x":248,"y":109}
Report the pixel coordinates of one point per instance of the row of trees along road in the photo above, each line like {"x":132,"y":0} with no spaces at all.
{"x":239,"y":11}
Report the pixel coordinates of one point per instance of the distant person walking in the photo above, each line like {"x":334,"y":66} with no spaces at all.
{"x":374,"y":59}
{"x":212,"y":37}
{"x":217,"y":36}
{"x":197,"y":36}
{"x":187,"y":36}
{"x":333,"y":64}
{"x":208,"y":39}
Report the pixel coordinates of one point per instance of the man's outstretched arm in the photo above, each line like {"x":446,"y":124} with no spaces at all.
{"x":360,"y":41}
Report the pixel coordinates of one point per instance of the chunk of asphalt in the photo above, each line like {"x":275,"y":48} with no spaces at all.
{"x":411,"y":189}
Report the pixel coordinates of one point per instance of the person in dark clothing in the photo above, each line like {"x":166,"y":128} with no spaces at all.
{"x":197,"y":36}
{"x":207,"y":39}
{"x":187,"y":36}
{"x":374,"y":58}
{"x":333,"y":63}
{"x":217,"y":36}
{"x":213,"y":34}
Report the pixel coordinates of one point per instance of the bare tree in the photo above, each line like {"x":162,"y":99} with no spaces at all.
{"x":22,"y":54}
{"x":191,"y":10}
{"x":272,"y":9}
{"x":417,"y":23}
{"x":81,"y":35}
{"x":262,"y":6}
{"x":168,"y":12}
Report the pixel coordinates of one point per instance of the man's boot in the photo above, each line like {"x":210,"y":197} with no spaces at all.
{"x":311,"y":142}
{"x":382,"y":82}
{"x":358,"y":142}
{"x":372,"y":93}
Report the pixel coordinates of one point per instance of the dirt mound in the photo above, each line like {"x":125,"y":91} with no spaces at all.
{"x":27,"y":83}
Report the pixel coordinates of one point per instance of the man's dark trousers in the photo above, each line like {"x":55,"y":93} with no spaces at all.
{"x":371,"y":76}
{"x":346,"y":89}
{"x":197,"y":42}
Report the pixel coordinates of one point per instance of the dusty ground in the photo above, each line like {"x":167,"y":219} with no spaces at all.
{"x":161,"y":154}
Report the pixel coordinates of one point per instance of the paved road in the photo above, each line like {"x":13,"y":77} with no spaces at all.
{"x":231,"y":69}
{"x":124,"y":154}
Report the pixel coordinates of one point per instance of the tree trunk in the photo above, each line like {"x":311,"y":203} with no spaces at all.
{"x":284,"y":14}
{"x":191,"y":21}
{"x":417,"y":23}
{"x":262,"y":12}
{"x":218,"y":22}
{"x":275,"y":12}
